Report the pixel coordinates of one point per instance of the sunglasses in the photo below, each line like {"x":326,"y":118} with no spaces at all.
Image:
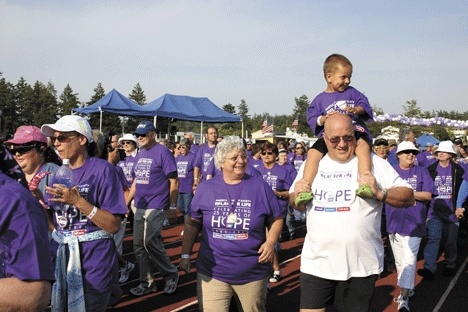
{"x":267,"y":153}
{"x":140,"y":135}
{"x":381,"y":148}
{"x":337,"y":140}
{"x":21,"y":149}
{"x":126,"y":142}
{"x":300,"y":147}
{"x":62,"y":138}
{"x":409,"y":152}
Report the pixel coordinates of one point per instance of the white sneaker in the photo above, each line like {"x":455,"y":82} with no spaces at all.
{"x":165,"y":222}
{"x":403,"y":305}
{"x":125,"y":272}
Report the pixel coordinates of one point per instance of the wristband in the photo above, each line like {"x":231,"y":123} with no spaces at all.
{"x":173,"y":207}
{"x":384,"y":197}
{"x":93,"y":212}
{"x":185,"y":256}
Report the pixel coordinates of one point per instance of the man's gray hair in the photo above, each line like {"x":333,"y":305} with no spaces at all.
{"x":404,"y":134}
{"x":227,"y":145}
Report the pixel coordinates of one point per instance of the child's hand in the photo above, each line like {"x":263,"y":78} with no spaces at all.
{"x":353,"y":110}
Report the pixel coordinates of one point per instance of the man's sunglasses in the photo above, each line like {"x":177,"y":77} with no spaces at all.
{"x":20,"y":150}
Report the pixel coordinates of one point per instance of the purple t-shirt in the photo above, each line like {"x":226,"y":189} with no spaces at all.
{"x":185,"y":165}
{"x":411,"y":221}
{"x":443,"y":183}
{"x":327,"y":102}
{"x":24,"y":242}
{"x":99,"y":184}
{"x":255,"y":162}
{"x":127,"y":167}
{"x":152,"y":184}
{"x":297,"y":160}
{"x":231,"y":254}
{"x":279,"y":179}
{"x":203,"y":158}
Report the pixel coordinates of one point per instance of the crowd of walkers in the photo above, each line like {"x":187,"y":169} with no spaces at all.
{"x":224,"y":190}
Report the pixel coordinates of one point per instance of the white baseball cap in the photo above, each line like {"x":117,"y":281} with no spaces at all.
{"x":69,"y":123}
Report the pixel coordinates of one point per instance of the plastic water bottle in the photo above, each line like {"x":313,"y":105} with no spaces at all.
{"x":64,"y":175}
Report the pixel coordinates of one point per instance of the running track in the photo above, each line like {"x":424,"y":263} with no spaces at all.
{"x":443,"y":294}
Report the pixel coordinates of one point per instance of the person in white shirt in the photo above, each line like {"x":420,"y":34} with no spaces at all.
{"x":343,"y":252}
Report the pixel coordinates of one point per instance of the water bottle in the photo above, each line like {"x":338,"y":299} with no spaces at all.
{"x":64,"y":175}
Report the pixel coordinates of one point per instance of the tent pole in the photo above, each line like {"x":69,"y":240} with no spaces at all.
{"x":100,"y":119}
{"x":155,"y":120}
{"x":201,"y":132}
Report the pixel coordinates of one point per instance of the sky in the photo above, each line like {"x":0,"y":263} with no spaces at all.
{"x":265,"y":52}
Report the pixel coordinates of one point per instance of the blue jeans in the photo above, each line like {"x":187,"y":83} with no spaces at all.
{"x":183,"y":202}
{"x":435,"y":229}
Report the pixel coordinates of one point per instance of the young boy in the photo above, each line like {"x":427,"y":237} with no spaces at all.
{"x":339,"y":97}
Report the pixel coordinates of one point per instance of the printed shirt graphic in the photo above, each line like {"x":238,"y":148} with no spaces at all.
{"x":278,"y":178}
{"x":411,"y":221}
{"x":342,"y":227}
{"x":326,"y":102}
{"x":444,"y":201}
{"x":203,"y":159}
{"x":98,"y":183}
{"x":185,"y":172}
{"x":127,"y":167}
{"x":151,"y":170}
{"x":231,"y":254}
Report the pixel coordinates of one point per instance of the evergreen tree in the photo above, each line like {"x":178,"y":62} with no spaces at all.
{"x":229,"y":108}
{"x":411,"y":109}
{"x":23,"y":97}
{"x":68,"y":101}
{"x":131,"y":122}
{"x":8,"y":109}
{"x":300,"y":110}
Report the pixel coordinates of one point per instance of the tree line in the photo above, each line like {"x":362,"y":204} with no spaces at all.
{"x":24,"y":104}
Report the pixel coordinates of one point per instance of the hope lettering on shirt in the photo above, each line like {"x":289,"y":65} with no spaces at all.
{"x":222,"y":210}
{"x":142,"y":170}
{"x":76,"y":220}
{"x":182,"y":169}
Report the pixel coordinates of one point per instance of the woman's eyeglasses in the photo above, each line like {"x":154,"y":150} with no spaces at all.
{"x":62,"y":138}
{"x":181,"y":147}
{"x":21,"y":149}
{"x":127,"y":142}
{"x":267,"y":153}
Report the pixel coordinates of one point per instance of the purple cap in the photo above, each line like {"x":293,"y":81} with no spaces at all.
{"x":28,"y":134}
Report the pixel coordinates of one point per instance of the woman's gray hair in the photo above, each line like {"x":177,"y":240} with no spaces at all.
{"x":227,"y":145}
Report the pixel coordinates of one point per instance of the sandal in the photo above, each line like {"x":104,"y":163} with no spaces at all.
{"x":303,"y":198}
{"x":365,"y":191}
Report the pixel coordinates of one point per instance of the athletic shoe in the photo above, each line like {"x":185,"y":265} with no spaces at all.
{"x":403,"y":305}
{"x":143,"y":289}
{"x":449,"y":271}
{"x":166,"y":222}
{"x":171,"y":285}
{"x":125,"y":272}
{"x":365,"y":191}
{"x":275,"y":278}
{"x":426,"y":273}
{"x":303,"y":198}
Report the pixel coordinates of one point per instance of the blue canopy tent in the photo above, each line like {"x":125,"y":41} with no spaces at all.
{"x":188,"y":108}
{"x":114,"y":103}
{"x":426,"y":138}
